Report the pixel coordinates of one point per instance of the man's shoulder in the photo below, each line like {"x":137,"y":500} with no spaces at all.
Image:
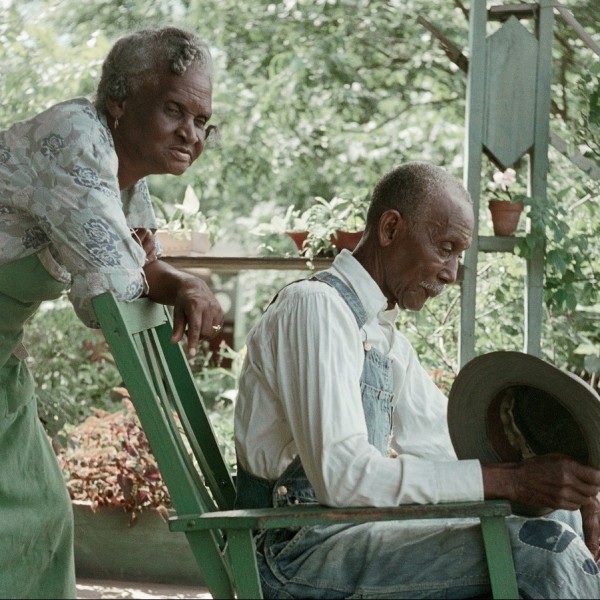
{"x":307,"y":288}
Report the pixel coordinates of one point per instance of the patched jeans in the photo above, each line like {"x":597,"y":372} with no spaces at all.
{"x":425,"y":559}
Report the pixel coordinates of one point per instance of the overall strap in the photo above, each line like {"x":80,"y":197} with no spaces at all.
{"x":351,"y":299}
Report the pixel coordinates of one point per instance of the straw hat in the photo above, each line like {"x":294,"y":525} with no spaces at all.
{"x":507,"y":406}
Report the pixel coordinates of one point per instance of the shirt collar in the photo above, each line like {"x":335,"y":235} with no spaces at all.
{"x":347,"y":268}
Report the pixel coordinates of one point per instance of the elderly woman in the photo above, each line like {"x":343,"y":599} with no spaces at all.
{"x":75,"y":214}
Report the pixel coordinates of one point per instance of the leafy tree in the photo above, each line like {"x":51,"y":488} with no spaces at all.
{"x":314,"y":96}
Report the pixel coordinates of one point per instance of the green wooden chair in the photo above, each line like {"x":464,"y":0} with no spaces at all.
{"x":171,"y":411}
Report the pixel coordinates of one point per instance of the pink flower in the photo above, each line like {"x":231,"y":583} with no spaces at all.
{"x":505,"y":179}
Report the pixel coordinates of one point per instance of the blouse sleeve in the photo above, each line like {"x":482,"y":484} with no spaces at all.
{"x":78,"y":206}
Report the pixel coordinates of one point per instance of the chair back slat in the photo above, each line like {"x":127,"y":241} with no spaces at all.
{"x":197,"y":425}
{"x":168,"y":402}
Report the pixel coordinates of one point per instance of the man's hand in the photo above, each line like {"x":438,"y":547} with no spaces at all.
{"x":590,"y":515}
{"x":552,"y":480}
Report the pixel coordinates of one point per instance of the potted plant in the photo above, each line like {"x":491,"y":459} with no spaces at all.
{"x":186,"y":231}
{"x":339,"y":222}
{"x":324,"y":227}
{"x":506,"y":208}
{"x":351,"y":217}
{"x":296,"y":225}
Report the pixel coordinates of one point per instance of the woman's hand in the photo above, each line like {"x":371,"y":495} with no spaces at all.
{"x":197,"y":313}
{"x":145,"y":238}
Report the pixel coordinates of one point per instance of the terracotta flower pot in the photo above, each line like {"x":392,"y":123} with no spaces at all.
{"x":505,"y":216}
{"x":298,"y":237}
{"x":346,"y":239}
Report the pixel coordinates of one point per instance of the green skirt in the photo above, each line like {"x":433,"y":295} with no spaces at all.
{"x":36,"y":519}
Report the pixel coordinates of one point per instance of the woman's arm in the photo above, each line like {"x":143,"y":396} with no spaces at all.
{"x":197,"y":313}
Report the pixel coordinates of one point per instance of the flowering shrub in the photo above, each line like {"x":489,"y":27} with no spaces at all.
{"x":108,"y":462}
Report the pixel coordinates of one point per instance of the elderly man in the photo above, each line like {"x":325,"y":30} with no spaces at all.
{"x":329,"y":387}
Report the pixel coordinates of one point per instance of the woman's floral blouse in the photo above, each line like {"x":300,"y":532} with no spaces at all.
{"x":60,"y":198}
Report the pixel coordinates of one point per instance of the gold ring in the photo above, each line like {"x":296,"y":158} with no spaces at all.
{"x":217,"y":328}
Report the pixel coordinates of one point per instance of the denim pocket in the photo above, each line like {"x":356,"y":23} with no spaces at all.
{"x":377,"y":406}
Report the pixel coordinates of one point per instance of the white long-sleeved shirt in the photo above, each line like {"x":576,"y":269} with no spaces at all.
{"x":300,"y":394}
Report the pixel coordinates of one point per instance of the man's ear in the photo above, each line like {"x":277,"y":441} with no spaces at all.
{"x":391,"y":224}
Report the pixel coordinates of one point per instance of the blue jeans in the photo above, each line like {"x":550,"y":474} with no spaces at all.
{"x":425,"y":559}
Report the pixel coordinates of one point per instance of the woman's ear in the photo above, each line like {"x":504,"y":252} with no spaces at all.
{"x":391,"y":224}
{"x":115,"y":108}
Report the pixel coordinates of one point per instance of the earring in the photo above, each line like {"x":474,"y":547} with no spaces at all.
{"x":116,"y":122}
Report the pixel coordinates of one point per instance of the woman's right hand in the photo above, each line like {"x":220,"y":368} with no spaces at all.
{"x":197,"y":313}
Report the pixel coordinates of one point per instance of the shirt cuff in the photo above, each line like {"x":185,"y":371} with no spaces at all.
{"x":459,"y":480}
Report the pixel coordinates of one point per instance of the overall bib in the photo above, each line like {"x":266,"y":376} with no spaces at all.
{"x":36,"y":522}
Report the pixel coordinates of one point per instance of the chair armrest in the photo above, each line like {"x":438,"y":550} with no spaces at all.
{"x":311,"y":514}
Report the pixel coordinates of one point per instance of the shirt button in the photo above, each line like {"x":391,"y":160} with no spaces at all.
{"x":367,"y":346}
{"x":282,"y":490}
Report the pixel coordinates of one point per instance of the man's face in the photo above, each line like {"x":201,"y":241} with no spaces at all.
{"x":164,"y":122}
{"x":424,"y":257}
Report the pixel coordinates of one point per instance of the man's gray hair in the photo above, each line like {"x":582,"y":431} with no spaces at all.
{"x":411,"y":189}
{"x":147,"y":53}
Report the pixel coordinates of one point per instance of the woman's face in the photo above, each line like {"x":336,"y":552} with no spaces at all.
{"x":162,"y":125}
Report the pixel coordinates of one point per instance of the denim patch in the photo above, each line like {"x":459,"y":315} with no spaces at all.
{"x":545,"y":534}
{"x":590,"y":567}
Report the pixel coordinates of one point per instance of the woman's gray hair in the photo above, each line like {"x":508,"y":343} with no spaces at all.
{"x":147,"y":53}
{"x":410,"y":189}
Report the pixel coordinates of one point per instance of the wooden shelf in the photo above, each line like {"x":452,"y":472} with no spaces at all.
{"x":244,"y":263}
{"x":497,"y":243}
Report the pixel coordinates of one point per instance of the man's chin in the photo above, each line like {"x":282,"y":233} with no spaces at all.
{"x":413,"y":302}
{"x":414,"y":306}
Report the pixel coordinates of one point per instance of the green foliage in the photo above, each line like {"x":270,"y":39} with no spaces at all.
{"x":108,"y":462}
{"x":72,"y":367}
{"x":314,"y":97}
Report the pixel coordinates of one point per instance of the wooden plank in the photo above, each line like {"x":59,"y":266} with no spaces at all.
{"x":534,"y":290}
{"x":454,"y":53}
{"x":493,"y":243}
{"x":314,"y":514}
{"x":452,"y":50}
{"x":510,"y":92}
{"x":502,"y":12}
{"x":242,"y":263}
{"x":501,"y":566}
{"x":474,"y":120}
{"x":249,"y":263}
{"x":588,"y":166}
{"x":567,"y":15}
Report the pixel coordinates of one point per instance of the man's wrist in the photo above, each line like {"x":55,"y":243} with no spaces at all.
{"x":498,"y":480}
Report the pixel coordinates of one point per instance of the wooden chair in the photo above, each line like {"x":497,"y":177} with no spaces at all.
{"x":171,"y":411}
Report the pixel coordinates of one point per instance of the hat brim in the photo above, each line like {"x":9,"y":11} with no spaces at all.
{"x":549,"y":410}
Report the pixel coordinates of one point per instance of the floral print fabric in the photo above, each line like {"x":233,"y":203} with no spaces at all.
{"x":60,"y":197}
